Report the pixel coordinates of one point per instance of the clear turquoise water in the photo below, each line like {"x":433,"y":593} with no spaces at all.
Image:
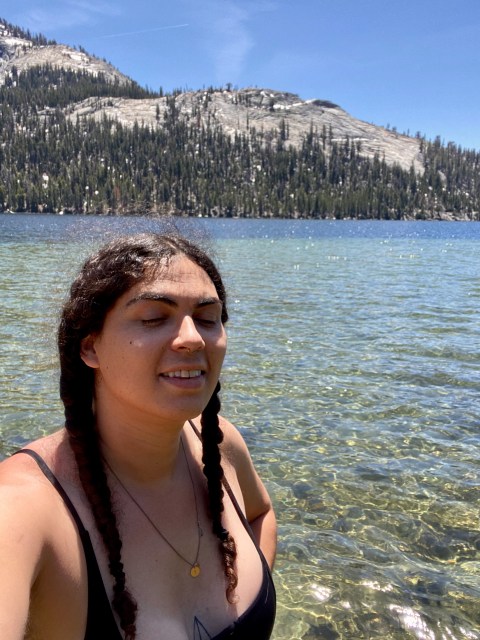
{"x":353,"y":373}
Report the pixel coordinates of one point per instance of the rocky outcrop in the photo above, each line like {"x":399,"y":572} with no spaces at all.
{"x":10,"y":48}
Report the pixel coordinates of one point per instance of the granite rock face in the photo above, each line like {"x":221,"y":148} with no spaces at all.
{"x":265,"y":110}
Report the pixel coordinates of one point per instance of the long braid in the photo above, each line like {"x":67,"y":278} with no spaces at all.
{"x":212,"y":437}
{"x":75,"y":391}
{"x":92,"y":476}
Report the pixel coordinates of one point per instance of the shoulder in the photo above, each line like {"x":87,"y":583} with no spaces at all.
{"x":33,"y":517}
{"x":236,"y":460}
{"x":20,"y":474}
{"x":27,"y":498}
{"x":234,"y":448}
{"x":25,"y":492}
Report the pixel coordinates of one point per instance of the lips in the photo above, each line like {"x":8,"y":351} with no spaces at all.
{"x":183,"y":373}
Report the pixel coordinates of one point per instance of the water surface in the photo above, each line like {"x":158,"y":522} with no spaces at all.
{"x":353,"y":374}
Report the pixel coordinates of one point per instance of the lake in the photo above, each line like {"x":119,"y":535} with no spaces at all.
{"x":353,"y":374}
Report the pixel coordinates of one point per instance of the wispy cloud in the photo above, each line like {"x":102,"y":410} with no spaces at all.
{"x":228,"y":33}
{"x":232,"y":40}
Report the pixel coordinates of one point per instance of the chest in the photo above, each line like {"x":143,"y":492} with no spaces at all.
{"x":158,"y":574}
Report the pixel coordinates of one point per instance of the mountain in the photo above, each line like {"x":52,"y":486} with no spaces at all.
{"x":233,"y":111}
{"x":21,"y":51}
{"x":251,"y":151}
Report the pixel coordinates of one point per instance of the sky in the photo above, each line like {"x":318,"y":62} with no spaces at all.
{"x":409,"y":64}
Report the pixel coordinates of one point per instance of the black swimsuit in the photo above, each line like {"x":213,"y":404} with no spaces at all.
{"x":256,"y":622}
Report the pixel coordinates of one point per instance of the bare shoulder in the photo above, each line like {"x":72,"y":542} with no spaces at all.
{"x":234,"y":448}
{"x":24,"y":490}
{"x":25,"y":493}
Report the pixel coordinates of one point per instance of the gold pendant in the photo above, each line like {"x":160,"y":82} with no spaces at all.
{"x":195,"y":570}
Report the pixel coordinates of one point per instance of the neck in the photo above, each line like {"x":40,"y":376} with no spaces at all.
{"x":141,"y":456}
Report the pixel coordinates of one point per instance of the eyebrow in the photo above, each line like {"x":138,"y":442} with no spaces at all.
{"x":158,"y":297}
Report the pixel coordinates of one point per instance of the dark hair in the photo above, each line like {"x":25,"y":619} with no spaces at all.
{"x":104,"y":277}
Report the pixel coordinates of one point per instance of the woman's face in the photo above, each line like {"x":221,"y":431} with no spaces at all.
{"x":159,"y":354}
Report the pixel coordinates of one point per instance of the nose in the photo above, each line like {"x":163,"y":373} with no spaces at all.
{"x":188,"y":337}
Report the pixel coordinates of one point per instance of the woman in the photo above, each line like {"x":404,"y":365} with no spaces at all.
{"x":144,"y":517}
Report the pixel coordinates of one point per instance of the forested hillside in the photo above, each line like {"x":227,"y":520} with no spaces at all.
{"x":51,"y":161}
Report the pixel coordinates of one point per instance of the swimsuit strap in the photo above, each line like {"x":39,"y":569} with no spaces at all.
{"x":47,"y":472}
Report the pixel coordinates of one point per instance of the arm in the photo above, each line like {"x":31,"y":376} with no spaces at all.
{"x":258,"y":506}
{"x":264,"y":528}
{"x":21,"y":551}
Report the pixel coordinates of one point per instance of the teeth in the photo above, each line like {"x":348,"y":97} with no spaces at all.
{"x":183,"y":374}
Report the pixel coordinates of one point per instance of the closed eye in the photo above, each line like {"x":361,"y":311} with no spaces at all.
{"x":208,"y":317}
{"x":206,"y":322}
{"x":151,"y":322}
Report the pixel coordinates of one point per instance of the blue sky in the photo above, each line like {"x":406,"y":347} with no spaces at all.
{"x":410,"y":64}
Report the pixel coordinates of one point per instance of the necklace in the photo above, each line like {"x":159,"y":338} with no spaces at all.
{"x":194,"y":566}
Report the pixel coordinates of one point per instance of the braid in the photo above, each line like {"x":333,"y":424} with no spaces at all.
{"x":75,"y":391}
{"x":212,"y":436}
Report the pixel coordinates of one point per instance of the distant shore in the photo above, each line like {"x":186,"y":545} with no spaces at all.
{"x":445,"y":216}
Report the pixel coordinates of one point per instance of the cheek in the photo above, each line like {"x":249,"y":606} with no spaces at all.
{"x":117,"y":354}
{"x":221,"y":347}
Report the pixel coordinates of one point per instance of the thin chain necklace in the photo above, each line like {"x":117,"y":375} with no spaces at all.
{"x":194,"y":566}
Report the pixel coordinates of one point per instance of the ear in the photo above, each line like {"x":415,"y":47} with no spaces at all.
{"x":88,"y":353}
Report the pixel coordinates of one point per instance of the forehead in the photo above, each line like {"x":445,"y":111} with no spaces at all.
{"x":180,"y":276}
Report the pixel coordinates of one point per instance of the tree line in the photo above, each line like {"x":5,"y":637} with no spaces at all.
{"x":25,"y":34}
{"x":49,"y":163}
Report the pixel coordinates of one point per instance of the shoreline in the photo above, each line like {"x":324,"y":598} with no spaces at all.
{"x":436,"y":217}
